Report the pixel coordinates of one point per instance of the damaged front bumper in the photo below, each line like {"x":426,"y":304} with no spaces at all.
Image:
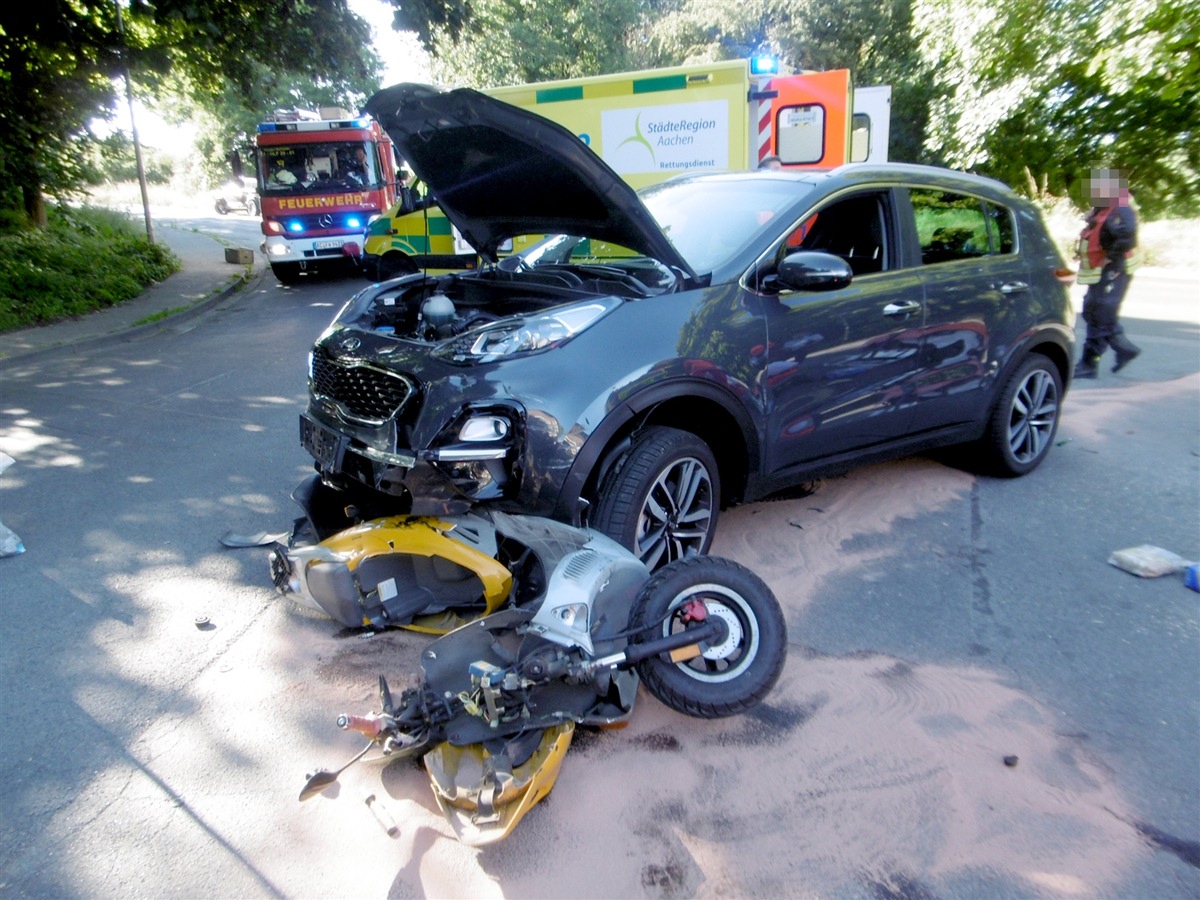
{"x":474,"y":459}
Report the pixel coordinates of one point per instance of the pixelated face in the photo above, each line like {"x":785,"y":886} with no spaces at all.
{"x":1105,"y":186}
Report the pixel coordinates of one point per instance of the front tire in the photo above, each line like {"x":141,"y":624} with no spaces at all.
{"x":287,"y":273}
{"x":394,"y":265}
{"x":662,"y":499}
{"x":728,"y":678}
{"x":1023,"y":425}
{"x":222,"y":207}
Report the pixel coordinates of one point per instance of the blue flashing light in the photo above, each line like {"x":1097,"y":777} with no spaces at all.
{"x":354,"y":222}
{"x":764,"y":65}
{"x":295,"y":226}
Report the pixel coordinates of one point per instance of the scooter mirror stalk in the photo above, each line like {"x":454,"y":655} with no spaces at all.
{"x":323,"y":779}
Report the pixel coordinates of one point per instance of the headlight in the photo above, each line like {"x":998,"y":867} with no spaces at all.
{"x":519,"y":337}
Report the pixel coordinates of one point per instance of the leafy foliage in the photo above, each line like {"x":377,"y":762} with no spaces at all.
{"x":1052,"y":87}
{"x":60,"y":63}
{"x":85,"y":259}
{"x":1060,"y":86}
{"x":542,"y":41}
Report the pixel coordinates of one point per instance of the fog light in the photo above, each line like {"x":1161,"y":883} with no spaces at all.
{"x":484,"y":428}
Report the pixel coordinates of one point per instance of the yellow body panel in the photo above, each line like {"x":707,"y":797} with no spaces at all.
{"x":422,"y":536}
{"x":484,"y":807}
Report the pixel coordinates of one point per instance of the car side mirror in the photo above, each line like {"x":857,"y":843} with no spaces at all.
{"x":406,"y":199}
{"x":811,"y":270}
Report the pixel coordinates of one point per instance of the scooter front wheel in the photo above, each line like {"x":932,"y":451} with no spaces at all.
{"x":732,"y":675}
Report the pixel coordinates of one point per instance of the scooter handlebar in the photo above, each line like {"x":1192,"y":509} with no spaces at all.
{"x":367,"y":726}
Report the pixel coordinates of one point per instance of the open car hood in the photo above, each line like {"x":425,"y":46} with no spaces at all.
{"x":498,"y":171}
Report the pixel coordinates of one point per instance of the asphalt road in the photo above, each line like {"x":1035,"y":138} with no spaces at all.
{"x":142,"y":755}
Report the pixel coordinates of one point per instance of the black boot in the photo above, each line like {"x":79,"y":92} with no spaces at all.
{"x":1125,"y":349}
{"x":1087,"y":367}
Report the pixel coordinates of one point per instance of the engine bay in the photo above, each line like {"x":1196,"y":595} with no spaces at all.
{"x":431,"y":308}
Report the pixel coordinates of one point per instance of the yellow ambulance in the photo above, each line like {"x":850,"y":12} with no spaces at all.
{"x":651,"y":125}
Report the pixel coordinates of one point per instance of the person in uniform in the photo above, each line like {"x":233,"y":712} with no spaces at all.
{"x":1106,"y":262}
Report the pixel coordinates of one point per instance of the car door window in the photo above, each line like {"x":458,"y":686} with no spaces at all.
{"x":954,"y":226}
{"x":852,"y":228}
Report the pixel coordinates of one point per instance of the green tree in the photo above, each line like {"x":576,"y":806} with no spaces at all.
{"x":60,"y":61}
{"x":542,"y":41}
{"x":1024,"y":90}
{"x":1054,"y":87}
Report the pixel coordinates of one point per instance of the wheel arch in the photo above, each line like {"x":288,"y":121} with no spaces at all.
{"x":1057,"y":354}
{"x":700,"y":408}
{"x":1051,"y":344}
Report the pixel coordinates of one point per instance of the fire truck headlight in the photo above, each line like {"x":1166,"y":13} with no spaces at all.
{"x":273,"y":227}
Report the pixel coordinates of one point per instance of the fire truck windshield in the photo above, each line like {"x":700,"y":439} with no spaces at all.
{"x":315,"y":168}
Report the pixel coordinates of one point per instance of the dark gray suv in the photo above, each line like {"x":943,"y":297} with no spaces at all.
{"x":707,"y":341}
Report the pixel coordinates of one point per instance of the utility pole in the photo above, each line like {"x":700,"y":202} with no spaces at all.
{"x":137,"y":145}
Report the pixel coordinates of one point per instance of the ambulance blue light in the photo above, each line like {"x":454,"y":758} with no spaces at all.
{"x":764,"y":65}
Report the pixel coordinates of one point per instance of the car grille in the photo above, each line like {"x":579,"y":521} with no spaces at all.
{"x":363,"y":392}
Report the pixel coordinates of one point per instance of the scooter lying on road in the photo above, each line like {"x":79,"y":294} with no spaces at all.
{"x":423,"y":573}
{"x":583,"y":622}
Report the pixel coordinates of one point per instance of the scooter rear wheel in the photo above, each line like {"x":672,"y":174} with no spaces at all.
{"x":727,"y":678}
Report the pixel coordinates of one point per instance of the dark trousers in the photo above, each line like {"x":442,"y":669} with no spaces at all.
{"x":1102,"y":310}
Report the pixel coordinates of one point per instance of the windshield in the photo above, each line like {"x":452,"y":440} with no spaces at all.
{"x":317,"y":168}
{"x":711,"y":221}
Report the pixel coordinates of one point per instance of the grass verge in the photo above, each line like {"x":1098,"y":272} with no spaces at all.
{"x":85,"y":259}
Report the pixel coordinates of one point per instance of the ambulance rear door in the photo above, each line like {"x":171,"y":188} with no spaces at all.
{"x":810,"y":119}
{"x":871,"y":124}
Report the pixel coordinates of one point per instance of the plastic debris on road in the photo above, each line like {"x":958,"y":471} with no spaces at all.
{"x":1148,"y":561}
{"x":10,"y":544}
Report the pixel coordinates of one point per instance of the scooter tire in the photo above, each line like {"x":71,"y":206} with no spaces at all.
{"x":726,"y":679}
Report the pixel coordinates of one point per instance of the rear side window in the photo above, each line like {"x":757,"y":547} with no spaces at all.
{"x":954,"y":226}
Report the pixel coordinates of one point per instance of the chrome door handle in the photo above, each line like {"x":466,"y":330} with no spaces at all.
{"x":1013,"y":287}
{"x":909,"y":307}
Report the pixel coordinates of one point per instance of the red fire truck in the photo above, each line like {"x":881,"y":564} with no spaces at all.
{"x":322,"y":178}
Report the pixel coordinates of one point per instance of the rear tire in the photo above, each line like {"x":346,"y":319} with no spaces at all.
{"x":733,"y":676}
{"x":252,"y":206}
{"x":1023,"y":425}
{"x":662,"y":499}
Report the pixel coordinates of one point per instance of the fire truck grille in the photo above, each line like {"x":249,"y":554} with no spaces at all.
{"x":363,"y":392}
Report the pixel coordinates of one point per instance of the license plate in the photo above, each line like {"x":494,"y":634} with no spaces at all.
{"x":327,"y":245}
{"x":325,"y":445}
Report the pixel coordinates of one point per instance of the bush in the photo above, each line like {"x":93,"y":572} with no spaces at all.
{"x":85,"y":259}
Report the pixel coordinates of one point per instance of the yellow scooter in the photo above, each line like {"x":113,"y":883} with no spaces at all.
{"x":580,"y":624}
